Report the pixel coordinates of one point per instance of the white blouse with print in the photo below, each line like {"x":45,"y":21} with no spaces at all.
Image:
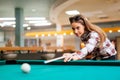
{"x":108,"y":47}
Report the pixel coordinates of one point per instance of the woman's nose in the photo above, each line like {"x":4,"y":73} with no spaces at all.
{"x":75,"y":31}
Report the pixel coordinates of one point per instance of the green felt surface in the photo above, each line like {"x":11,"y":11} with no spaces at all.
{"x":78,"y":62}
{"x":61,"y":72}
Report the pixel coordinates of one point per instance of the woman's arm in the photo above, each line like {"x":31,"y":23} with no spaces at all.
{"x":90,"y":45}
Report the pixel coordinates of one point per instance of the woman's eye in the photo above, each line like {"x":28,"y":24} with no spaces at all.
{"x":73,"y":28}
{"x":77,"y":28}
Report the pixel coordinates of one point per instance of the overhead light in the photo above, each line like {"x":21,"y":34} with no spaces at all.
{"x":64,"y":34}
{"x":42,"y":24}
{"x":28,"y":28}
{"x":118,"y":30}
{"x":72,"y":12}
{"x":26,"y":18}
{"x":2,"y":25}
{"x":8,"y":23}
{"x":14,"y":26}
{"x":25,"y":25}
{"x":55,"y":34}
{"x":110,"y":31}
{"x":7,"y":19}
{"x":42,"y":21}
{"x":71,"y":33}
{"x":49,"y":34}
{"x":37,"y":21}
{"x":43,"y":35}
{"x":36,"y":35}
{"x":35,"y":18}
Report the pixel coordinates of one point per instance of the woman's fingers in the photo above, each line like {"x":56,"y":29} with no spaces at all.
{"x":75,"y":58}
{"x":66,"y":59}
{"x":67,"y":56}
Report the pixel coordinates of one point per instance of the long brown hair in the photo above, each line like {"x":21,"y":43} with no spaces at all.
{"x":89,"y":26}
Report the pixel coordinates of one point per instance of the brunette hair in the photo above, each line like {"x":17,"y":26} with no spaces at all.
{"x":89,"y":26}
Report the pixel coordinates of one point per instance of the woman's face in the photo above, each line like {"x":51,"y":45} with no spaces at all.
{"x":78,"y":29}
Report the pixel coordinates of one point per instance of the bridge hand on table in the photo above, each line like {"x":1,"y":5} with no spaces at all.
{"x":69,"y":57}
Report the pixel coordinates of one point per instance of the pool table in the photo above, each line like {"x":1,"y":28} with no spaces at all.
{"x":59,"y":70}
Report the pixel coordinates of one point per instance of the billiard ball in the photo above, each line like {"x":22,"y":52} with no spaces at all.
{"x":82,"y":45}
{"x":25,"y":67}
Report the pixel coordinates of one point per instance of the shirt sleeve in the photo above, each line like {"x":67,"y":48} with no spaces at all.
{"x":109,"y":47}
{"x":90,"y":45}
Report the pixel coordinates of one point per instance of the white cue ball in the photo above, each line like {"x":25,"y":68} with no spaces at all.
{"x":25,"y":67}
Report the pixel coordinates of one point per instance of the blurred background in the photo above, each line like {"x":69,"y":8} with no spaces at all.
{"x":44,"y":23}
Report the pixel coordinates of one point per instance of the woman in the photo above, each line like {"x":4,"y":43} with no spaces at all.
{"x":96,"y":43}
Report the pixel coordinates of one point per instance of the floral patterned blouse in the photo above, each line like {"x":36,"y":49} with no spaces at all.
{"x":91,"y":41}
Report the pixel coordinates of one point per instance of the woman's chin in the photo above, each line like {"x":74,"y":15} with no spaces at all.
{"x":78,"y":35}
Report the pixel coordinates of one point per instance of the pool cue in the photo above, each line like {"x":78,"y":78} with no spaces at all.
{"x":48,"y":61}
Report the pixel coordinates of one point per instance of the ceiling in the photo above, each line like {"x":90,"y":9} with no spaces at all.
{"x":31,"y":8}
{"x":54,"y":10}
{"x":94,"y":10}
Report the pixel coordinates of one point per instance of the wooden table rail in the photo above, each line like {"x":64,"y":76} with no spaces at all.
{"x":34,"y":48}
{"x":20,"y":48}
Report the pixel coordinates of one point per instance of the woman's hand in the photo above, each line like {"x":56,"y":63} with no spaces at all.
{"x":69,"y":56}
